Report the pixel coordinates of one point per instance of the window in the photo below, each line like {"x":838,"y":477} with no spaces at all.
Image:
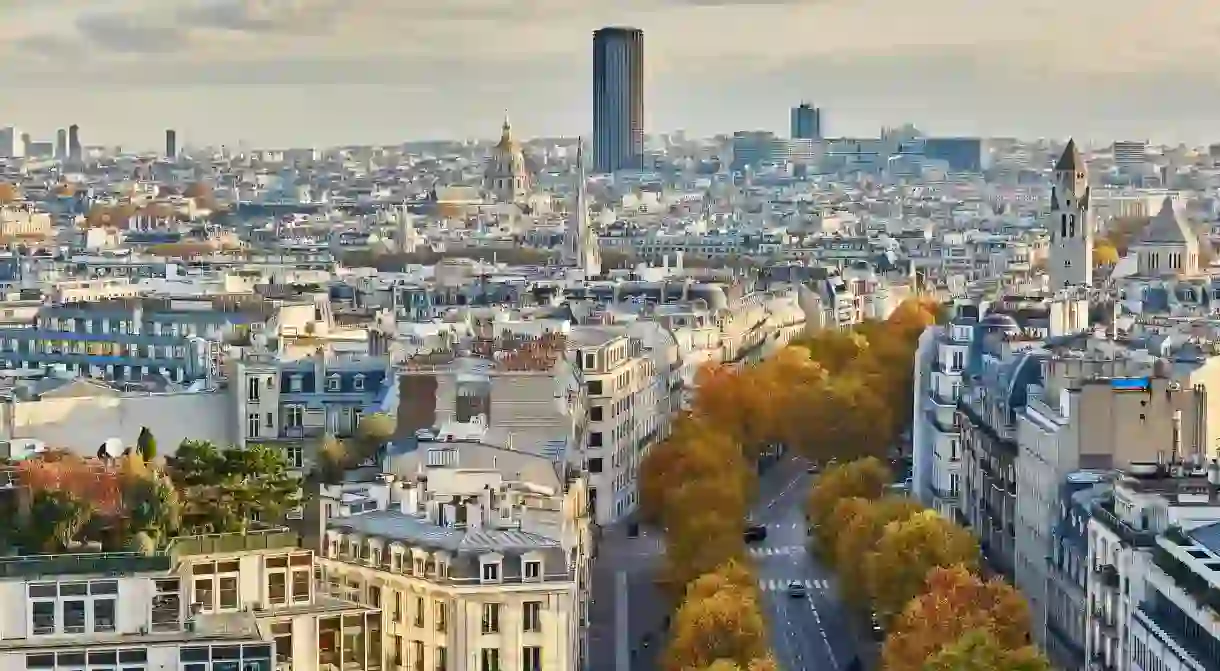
{"x":301,"y":581}
{"x":43,"y":616}
{"x":294,"y":383}
{"x":253,"y":425}
{"x":959,"y":359}
{"x":531,"y":619}
{"x":103,"y":615}
{"x":595,"y":413}
{"x":419,"y":611}
{"x":595,"y":439}
{"x":531,"y":658}
{"x":295,"y":456}
{"x":205,"y":595}
{"x":294,"y":416}
{"x":332,"y":383}
{"x":595,"y":387}
{"x":532,"y":569}
{"x":595,"y":465}
{"x":252,"y":389}
{"x":491,"y":572}
{"x":277,"y":588}
{"x":590,"y":361}
{"x":442,"y":659}
{"x":440,"y":616}
{"x":489,"y":659}
{"x":358,"y":383}
{"x":228,"y":592}
{"x":491,"y":618}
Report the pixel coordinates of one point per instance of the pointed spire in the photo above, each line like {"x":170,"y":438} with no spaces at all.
{"x":506,"y":132}
{"x":1071,"y":160}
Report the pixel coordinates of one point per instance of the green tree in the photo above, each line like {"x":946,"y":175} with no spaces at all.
{"x":152,"y":506}
{"x":255,"y":478}
{"x":147,"y":444}
{"x":374,"y":431}
{"x":55,"y":518}
{"x":979,"y":650}
{"x":197,"y":463}
{"x":332,"y":463}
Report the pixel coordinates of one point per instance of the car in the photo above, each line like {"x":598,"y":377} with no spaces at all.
{"x":755,"y":533}
{"x":797,"y":590}
{"x":877,"y":630}
{"x":813,"y":469}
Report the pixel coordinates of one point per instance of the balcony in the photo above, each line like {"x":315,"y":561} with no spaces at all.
{"x":83,"y":563}
{"x":1126,"y":533}
{"x":940,"y":401}
{"x":1107,"y":575}
{"x":265,"y":539}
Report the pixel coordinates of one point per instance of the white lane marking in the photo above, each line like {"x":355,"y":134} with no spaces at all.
{"x":782,"y":492}
{"x":830,"y":651}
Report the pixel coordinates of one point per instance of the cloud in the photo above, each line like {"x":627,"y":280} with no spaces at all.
{"x":127,"y":33}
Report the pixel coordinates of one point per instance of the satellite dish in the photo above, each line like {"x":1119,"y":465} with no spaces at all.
{"x":114,"y":447}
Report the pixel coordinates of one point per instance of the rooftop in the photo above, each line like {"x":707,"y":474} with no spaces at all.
{"x":396,"y":525}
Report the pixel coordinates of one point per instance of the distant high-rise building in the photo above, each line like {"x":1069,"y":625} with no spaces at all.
{"x":618,"y":99}
{"x":74,"y":149}
{"x":61,"y":143}
{"x":171,"y":143}
{"x":11,"y":145}
{"x":806,"y":122}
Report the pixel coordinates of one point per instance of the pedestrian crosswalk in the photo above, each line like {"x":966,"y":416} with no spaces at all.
{"x":780,"y":585}
{"x":773,"y":551}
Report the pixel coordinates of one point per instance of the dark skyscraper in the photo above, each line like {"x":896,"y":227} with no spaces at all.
{"x":61,"y":143}
{"x":806,"y":122}
{"x":618,"y":99}
{"x":171,"y":143}
{"x":74,"y":151}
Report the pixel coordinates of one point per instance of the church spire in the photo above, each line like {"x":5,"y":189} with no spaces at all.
{"x":506,"y":131}
{"x":581,"y":246}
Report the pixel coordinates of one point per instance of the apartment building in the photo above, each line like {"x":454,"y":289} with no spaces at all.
{"x":475,"y":554}
{"x":936,"y":445}
{"x":207,"y":603}
{"x":1152,"y":589}
{"x":1099,"y":406}
{"x":292,"y":403}
{"x":624,"y":419}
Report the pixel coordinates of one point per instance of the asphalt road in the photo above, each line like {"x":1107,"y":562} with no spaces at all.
{"x":809,"y":632}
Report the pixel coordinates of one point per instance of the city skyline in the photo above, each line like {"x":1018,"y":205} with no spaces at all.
{"x":309,"y":72}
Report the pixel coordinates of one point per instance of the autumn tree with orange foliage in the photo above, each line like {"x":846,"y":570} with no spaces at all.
{"x":978,"y":650}
{"x":9,"y":193}
{"x":863,"y":479}
{"x":904,"y":554}
{"x":719,"y":622}
{"x":954,"y":603}
{"x":858,"y":525}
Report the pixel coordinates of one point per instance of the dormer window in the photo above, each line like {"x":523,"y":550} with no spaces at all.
{"x":531,"y":569}
{"x":295,"y":383}
{"x":419,"y":566}
{"x":358,"y":383}
{"x":490,"y":571}
{"x":332,"y":383}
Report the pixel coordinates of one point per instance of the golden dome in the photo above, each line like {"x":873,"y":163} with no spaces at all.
{"x":507,"y":176}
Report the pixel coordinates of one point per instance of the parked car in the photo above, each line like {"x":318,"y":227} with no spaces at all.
{"x":755,"y":533}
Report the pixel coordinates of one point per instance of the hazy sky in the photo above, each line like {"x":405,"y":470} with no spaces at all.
{"x":299,"y":72}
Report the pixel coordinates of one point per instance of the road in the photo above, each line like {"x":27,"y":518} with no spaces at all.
{"x":810,"y":632}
